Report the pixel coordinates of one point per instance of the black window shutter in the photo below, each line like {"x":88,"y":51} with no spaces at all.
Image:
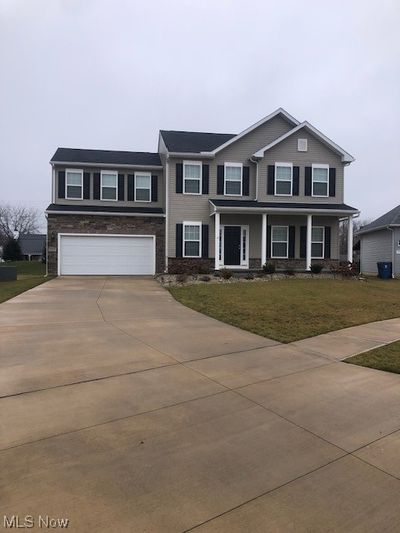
{"x":303,"y":241}
{"x":246,"y":181}
{"x":131,"y":183}
{"x":307,"y":181}
{"x":179,"y":178}
{"x":96,"y":186}
{"x":204,"y":241}
{"x":86,"y":185}
{"x":296,"y":181}
{"x":268,"y":242}
{"x":61,"y":183}
{"x":220,"y":179}
{"x":121,"y":187}
{"x":179,"y":240}
{"x":154,"y":188}
{"x":292,"y":240}
{"x":327,"y":251}
{"x":205,"y":178}
{"x":271,"y":179}
{"x":332,"y":182}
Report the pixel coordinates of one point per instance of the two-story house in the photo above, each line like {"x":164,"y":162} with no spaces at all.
{"x":274,"y":192}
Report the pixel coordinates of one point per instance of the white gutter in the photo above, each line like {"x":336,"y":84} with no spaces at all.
{"x":103,"y":213}
{"x":105,"y":165}
{"x":272,"y":210}
{"x":393,"y":255}
{"x":166,"y":188}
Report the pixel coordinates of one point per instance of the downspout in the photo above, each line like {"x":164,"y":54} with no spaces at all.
{"x":256,"y":163}
{"x":166,"y":211}
{"x":393,"y":254}
{"x":47,"y":245}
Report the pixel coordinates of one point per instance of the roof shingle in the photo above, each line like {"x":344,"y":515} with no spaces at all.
{"x":108,"y":157}
{"x":193,"y":141}
{"x":391,"y":218}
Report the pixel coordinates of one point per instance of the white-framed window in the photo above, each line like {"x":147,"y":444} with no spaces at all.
{"x":233,"y":179}
{"x":109,"y":185}
{"x":142,"y":187}
{"x":192,"y":177}
{"x":280,"y":242}
{"x":302,"y":145}
{"x":192,"y":239}
{"x":283,"y":179}
{"x":74,"y":184}
{"x":317,"y":242}
{"x":320,"y":180}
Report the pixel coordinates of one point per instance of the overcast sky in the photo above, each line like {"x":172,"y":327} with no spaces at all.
{"x":109,"y":74}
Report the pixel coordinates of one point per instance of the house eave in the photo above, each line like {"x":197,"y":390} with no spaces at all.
{"x":104,"y":165}
{"x":273,"y":210}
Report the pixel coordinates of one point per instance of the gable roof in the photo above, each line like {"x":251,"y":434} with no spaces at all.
{"x":391,"y":218}
{"x":193,"y":141}
{"x":278,"y":112}
{"x":32,"y":243}
{"x":346,"y":157}
{"x":106,"y":157}
{"x":212,"y":143}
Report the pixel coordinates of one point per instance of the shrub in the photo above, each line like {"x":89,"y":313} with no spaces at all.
{"x":316,"y":268}
{"x":269,"y":268}
{"x":205,"y":278}
{"x":290,"y":271}
{"x":249,"y":275}
{"x":345,"y":269}
{"x":12,"y":250}
{"x":225,"y":273}
{"x":181,"y":278}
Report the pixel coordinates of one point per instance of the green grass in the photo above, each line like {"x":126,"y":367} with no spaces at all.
{"x":294,"y":309}
{"x":384,"y":358}
{"x":29,"y":274}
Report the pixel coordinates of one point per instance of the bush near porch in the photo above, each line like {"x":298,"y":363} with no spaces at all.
{"x":294,"y":309}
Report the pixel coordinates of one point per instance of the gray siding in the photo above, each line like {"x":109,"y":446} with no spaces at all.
{"x":376,"y":246}
{"x":286,"y":152}
{"x":126,"y":203}
{"x":396,"y":268}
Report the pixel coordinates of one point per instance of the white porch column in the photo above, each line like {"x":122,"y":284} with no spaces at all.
{"x":217,"y":230}
{"x":350,"y":239}
{"x":264,"y":240}
{"x":308,"y":242}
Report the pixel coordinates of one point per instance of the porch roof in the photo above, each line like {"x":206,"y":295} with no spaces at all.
{"x":253,"y":206}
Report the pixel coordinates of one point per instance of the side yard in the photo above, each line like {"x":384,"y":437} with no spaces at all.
{"x":29,"y":274}
{"x":294,"y":309}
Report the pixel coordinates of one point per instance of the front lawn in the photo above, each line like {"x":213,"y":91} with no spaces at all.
{"x":383,"y":358}
{"x":294,"y":309}
{"x":29,"y":274}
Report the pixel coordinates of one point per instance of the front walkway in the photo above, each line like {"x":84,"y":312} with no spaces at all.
{"x":122,"y":410}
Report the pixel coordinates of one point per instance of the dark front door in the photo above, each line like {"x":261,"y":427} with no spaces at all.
{"x":232,"y":245}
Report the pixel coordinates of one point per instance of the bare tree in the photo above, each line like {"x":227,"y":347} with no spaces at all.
{"x":17,"y":220}
{"x":357,"y":225}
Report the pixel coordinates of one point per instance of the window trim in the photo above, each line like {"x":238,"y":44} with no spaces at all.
{"x":283,"y":164}
{"x":76,"y":170}
{"x":319,"y":242}
{"x":191,"y":223}
{"x":147,"y":174}
{"x":286,"y":242}
{"x":319,"y":165}
{"x":200,"y":180}
{"x":237,"y":165}
{"x":116,"y":185}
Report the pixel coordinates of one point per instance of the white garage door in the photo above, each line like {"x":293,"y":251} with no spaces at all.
{"x":106,"y":255}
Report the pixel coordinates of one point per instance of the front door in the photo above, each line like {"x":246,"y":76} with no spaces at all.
{"x":232,"y":236}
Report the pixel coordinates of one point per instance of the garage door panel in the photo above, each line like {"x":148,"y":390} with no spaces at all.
{"x":106,"y":255}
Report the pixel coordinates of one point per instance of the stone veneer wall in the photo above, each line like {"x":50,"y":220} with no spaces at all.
{"x":178,"y":265}
{"x":129,"y":225}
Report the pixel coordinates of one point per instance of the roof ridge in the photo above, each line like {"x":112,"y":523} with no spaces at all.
{"x":105,"y":150}
{"x":199,"y":132}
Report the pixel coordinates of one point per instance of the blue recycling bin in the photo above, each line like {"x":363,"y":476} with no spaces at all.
{"x":384,"y":269}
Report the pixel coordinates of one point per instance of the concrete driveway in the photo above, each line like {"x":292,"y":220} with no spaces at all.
{"x":122,"y":410}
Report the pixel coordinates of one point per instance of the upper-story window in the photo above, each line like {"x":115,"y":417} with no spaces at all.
{"x":109,"y":185}
{"x":142,"y":187}
{"x":191,"y":239}
{"x":191,"y":177}
{"x":74,"y":184}
{"x":233,"y":179}
{"x":283,"y":179}
{"x":320,"y":180}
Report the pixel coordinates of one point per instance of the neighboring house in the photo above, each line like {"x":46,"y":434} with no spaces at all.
{"x":274,"y":192}
{"x":32,"y":246}
{"x":380,"y":241}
